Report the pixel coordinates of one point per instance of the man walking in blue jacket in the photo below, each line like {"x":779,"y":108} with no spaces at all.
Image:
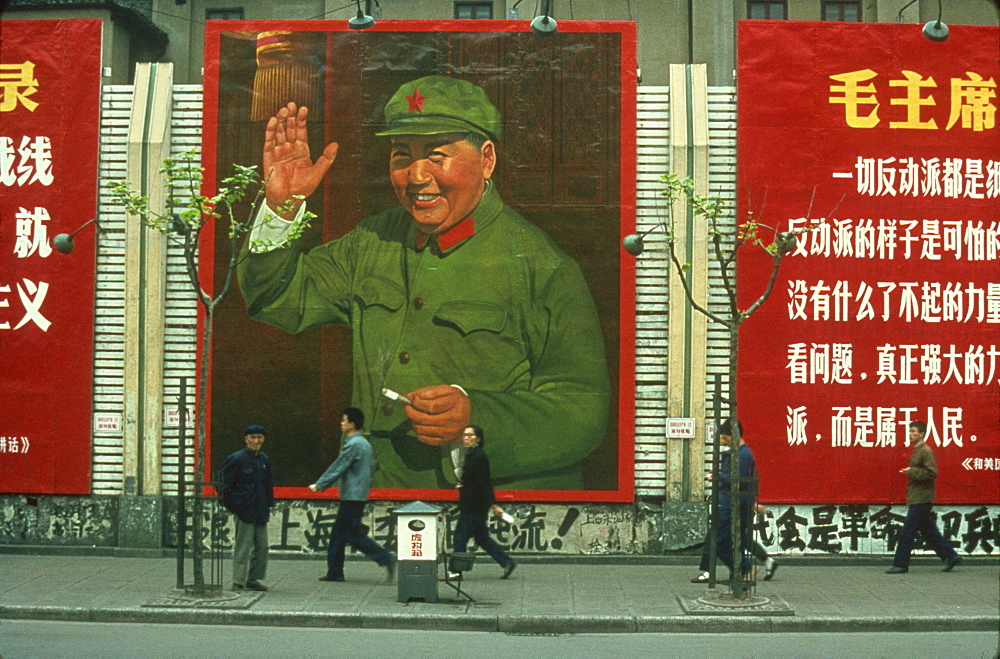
{"x":248,"y":492}
{"x":355,"y":466}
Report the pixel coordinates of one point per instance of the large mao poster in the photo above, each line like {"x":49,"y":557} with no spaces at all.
{"x":885,"y":145}
{"x":50,"y":75}
{"x":471,"y":183}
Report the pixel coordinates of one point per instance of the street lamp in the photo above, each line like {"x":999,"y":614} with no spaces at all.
{"x":544,"y":25}
{"x":64,"y":241}
{"x":784,"y":242}
{"x":935,"y":31}
{"x":633,"y":242}
{"x":362,"y":21}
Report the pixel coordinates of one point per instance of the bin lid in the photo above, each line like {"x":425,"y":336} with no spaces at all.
{"x":418,"y":508}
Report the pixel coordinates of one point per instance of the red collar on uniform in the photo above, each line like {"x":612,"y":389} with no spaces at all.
{"x":461,"y":231}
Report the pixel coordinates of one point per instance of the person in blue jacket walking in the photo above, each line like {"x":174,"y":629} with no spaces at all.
{"x":355,"y":467}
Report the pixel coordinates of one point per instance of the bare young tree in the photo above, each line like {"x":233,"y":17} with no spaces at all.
{"x":187,"y":214}
{"x":726,"y":243}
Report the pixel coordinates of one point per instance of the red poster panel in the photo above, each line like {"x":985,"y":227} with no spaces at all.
{"x":522,"y":303}
{"x":50,"y":75}
{"x":888,"y":311}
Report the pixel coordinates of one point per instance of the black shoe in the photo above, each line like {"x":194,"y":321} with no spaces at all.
{"x":390,"y":570}
{"x":256,"y":585}
{"x":770,"y":567}
{"x":238,"y":586}
{"x":701,"y":578}
{"x":951,"y":563}
{"x":897,"y":570}
{"x":332,"y":579}
{"x":507,"y":571}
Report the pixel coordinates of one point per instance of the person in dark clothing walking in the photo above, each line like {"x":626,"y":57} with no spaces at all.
{"x":244,"y":481}
{"x":476,"y":499}
{"x":747,"y":504}
{"x":921,"y":474}
{"x":355,"y":467}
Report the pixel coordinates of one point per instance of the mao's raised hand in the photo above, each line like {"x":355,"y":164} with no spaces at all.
{"x":289,"y":170}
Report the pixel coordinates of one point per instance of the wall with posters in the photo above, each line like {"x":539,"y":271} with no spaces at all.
{"x":808,"y":527}
{"x":50,"y":75}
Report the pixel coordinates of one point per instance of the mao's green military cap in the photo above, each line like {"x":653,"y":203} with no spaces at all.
{"x":437,"y":104}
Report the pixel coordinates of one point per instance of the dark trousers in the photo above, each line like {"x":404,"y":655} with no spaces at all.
{"x":347,"y":531}
{"x":723,"y":539}
{"x":758,"y":551}
{"x":473,"y":525}
{"x":919,"y":518}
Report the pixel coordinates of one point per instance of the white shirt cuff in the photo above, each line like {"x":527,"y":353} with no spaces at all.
{"x":269,"y":229}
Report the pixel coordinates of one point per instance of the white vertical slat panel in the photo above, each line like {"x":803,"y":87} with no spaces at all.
{"x":181,"y":304}
{"x":721,"y":182}
{"x":652,"y":344}
{"x":180,"y":329}
{"x":109,"y":303}
{"x":652,"y":331}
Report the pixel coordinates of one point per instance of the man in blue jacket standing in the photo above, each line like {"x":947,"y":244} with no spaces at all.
{"x":248,"y":492}
{"x":355,"y":466}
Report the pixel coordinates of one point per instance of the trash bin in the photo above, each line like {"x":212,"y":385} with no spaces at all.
{"x":416,"y":551}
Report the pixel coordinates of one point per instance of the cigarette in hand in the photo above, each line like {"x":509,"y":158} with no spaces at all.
{"x":392,"y":395}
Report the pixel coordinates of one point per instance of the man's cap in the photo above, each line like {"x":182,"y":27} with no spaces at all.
{"x":437,"y":104}
{"x":254,"y":429}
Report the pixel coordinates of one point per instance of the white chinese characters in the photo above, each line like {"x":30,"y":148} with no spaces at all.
{"x":30,"y":162}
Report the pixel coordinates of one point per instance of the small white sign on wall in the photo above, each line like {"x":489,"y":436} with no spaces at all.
{"x":172,"y":417}
{"x":107,"y":423}
{"x":680,"y":428}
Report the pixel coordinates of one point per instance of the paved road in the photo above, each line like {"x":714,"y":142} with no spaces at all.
{"x":24,"y":638}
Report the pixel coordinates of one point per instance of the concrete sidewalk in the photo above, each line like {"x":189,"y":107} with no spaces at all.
{"x":577,"y":597}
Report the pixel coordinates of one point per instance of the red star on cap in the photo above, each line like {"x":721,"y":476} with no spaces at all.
{"x":416,"y":101}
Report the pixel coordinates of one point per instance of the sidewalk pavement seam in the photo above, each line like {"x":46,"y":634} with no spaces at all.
{"x":510,"y":624}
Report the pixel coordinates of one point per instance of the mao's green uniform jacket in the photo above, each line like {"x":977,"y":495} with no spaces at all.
{"x":504,"y":313}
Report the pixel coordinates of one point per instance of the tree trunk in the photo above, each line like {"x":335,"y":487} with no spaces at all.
{"x":197,"y":523}
{"x":736,"y":523}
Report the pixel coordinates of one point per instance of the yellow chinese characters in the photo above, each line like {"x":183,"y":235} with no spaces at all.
{"x":972,"y":101}
{"x":17,"y":83}
{"x":855,"y":95}
{"x":913,"y":83}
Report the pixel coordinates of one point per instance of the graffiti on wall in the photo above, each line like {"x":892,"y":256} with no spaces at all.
{"x":598,"y":530}
{"x":871,"y":529}
{"x":299,"y":527}
{"x":594,"y":529}
{"x":57,"y":520}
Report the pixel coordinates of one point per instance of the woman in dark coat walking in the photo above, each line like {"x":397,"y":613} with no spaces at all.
{"x":476,"y":499}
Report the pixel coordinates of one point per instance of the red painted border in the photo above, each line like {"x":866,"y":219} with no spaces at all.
{"x":206,"y":251}
{"x":627,"y":204}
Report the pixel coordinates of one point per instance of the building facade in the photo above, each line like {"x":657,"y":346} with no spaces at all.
{"x":134,"y":481}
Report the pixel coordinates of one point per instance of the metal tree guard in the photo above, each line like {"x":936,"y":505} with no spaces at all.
{"x":217,"y":518}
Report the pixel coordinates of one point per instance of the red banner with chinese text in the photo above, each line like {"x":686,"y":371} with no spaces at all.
{"x":888,"y":310}
{"x":50,"y":75}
